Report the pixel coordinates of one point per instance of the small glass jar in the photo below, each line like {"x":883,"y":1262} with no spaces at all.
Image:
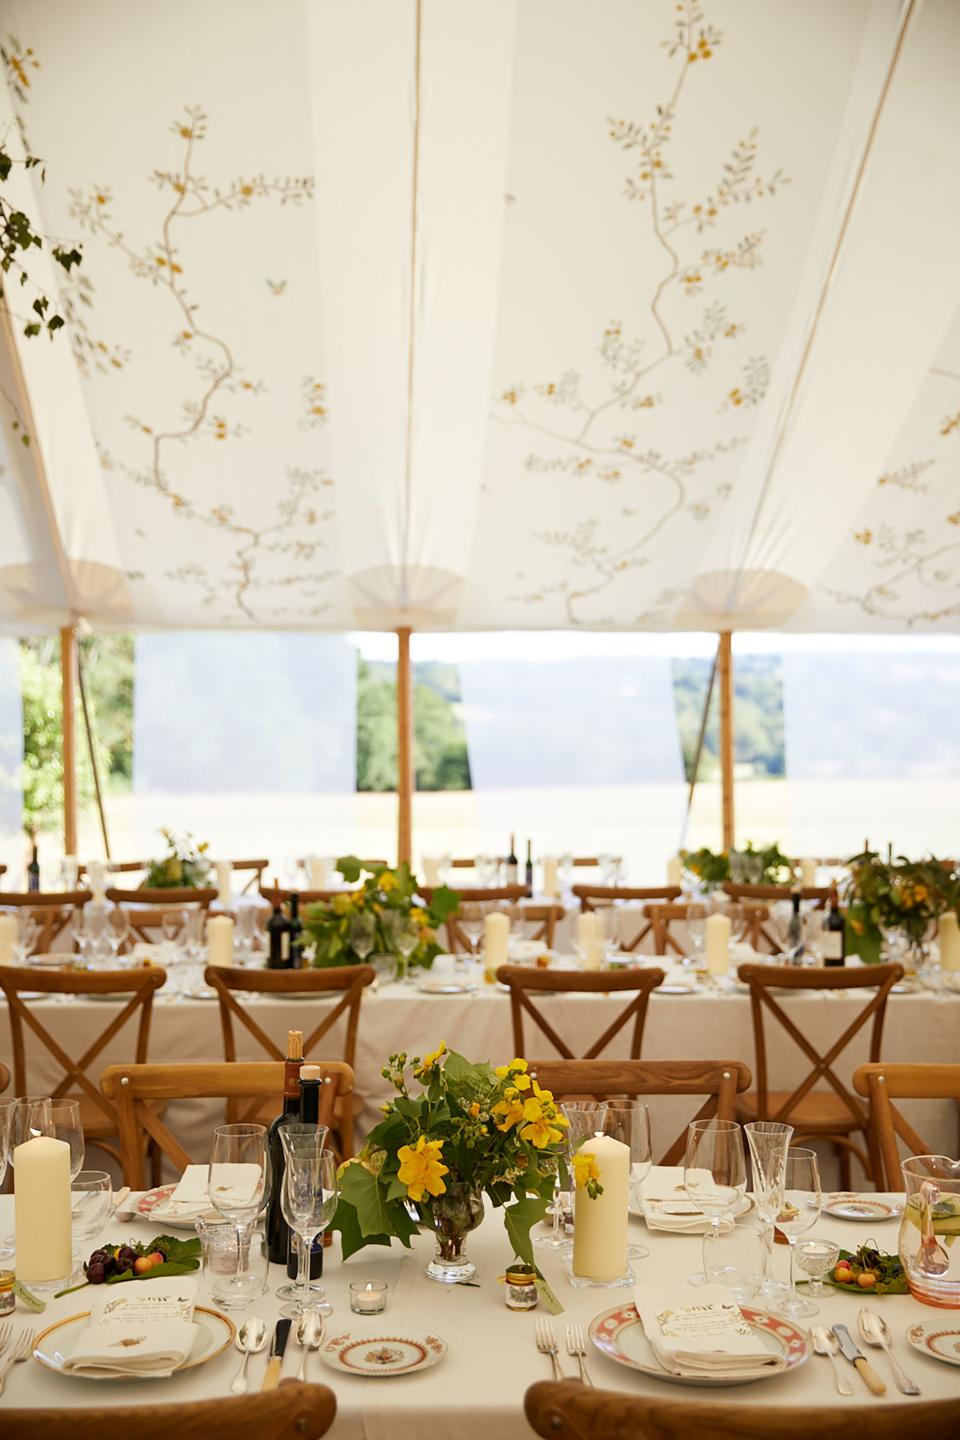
{"x":521,"y":1287}
{"x":7,"y":1298}
{"x":368,"y":1297}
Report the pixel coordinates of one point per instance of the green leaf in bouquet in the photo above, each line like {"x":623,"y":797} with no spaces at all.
{"x":444,"y":903}
{"x":368,"y":1197}
{"x":519,"y":1219}
{"x":352,"y":1238}
{"x":350,"y":868}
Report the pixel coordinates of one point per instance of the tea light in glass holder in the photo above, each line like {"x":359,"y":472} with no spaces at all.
{"x":368,"y":1297}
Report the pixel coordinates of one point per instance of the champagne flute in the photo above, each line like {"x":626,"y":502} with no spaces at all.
{"x":236,"y":1182}
{"x":363,"y":932}
{"x":799,"y":1211}
{"x":308,"y":1199}
{"x":584,"y":1118}
{"x":629,"y":1122}
{"x":769,"y":1141}
{"x":714,"y":1173}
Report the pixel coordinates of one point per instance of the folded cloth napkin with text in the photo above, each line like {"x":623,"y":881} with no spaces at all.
{"x":143,"y":1329}
{"x":192,"y":1196}
{"x":665,"y":1206}
{"x":705,"y":1337}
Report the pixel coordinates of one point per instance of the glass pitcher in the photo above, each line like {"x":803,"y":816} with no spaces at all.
{"x":930,"y":1228}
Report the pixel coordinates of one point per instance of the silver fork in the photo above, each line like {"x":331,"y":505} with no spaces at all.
{"x":547,"y":1345}
{"x":577,"y":1347}
{"x":20,"y":1350}
{"x":6,"y":1334}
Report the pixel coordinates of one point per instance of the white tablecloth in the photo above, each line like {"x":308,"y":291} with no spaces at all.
{"x":477,"y":1390}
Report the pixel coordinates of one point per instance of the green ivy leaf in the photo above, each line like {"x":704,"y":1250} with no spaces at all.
{"x":519,"y":1220}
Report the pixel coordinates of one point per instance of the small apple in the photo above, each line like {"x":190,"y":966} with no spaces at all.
{"x":157,"y":1257}
{"x":866,"y":1280}
{"x":142,"y":1264}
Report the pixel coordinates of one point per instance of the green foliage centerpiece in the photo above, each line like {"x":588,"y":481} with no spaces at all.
{"x":183,"y":865}
{"x":371,"y":920}
{"x":749,"y":866}
{"x":472,"y":1131}
{"x":902,"y":895}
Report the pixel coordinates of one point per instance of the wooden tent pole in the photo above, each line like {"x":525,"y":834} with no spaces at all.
{"x":698,"y":752}
{"x":68,"y":672}
{"x":725,"y":665}
{"x":94,"y":766}
{"x":404,"y":749}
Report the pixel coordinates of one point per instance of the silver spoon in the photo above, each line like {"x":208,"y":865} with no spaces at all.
{"x":251,"y":1338}
{"x":826,"y":1344}
{"x":309,"y":1337}
{"x":874,"y":1331}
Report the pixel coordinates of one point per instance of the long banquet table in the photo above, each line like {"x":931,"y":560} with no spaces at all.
{"x":478,"y":1388}
{"x":708,"y":1023}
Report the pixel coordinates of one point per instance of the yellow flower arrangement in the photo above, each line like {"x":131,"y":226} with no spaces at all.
{"x":421,"y":1168}
{"x":586,"y":1174}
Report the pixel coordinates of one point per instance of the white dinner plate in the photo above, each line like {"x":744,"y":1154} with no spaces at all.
{"x":743,"y":1207}
{"x":215,"y":1332}
{"x":936,"y":1338}
{"x":384,"y":1351}
{"x":152,"y":1206}
{"x":619,"y":1335}
{"x":449,"y":987}
{"x":847,"y":1205}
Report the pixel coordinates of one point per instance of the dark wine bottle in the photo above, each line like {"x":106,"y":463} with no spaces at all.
{"x":528,"y":868}
{"x":309,"y":1115}
{"x":295,"y":929}
{"x":278,"y":1231}
{"x":795,"y":928}
{"x":33,"y":872}
{"x":513,"y":865}
{"x":278,"y":938}
{"x":834,"y":948}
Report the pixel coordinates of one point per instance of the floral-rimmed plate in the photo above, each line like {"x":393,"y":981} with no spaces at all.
{"x":215,"y":1333}
{"x":940,"y":1341}
{"x":848,"y":1205}
{"x":154,"y":1205}
{"x":384,"y":1351}
{"x":619,"y":1335}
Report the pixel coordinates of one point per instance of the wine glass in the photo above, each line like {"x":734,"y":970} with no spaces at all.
{"x":91,"y":1202}
{"x":769,"y":1141}
{"x":405,"y":936}
{"x":584,"y":1119}
{"x":28,"y":933}
{"x":629,"y":1122}
{"x":470,"y":921}
{"x":817,"y":1257}
{"x":308,"y":1199}
{"x":696,"y":935}
{"x":236,"y":1182}
{"x":799,"y":1212}
{"x":363,"y":932}
{"x":118,"y":931}
{"x":714,"y":1172}
{"x":64,"y":1124}
{"x":171,"y":923}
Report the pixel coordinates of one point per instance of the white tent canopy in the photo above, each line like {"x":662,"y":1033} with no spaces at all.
{"x":520,"y":314}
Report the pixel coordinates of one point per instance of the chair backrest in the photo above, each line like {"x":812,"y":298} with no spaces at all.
{"x":52,"y":910}
{"x":505,"y":895}
{"x":145,"y":908}
{"x":818,"y":893}
{"x":721,"y":1081}
{"x":881,"y":1085}
{"x":139,"y":985}
{"x":256,"y":866}
{"x":135,"y":1090}
{"x":4,"y":1077}
{"x":762,"y":979}
{"x":598,"y":897}
{"x":662,"y":916}
{"x":543,"y":920}
{"x":567,"y":1410}
{"x":279,"y":895}
{"x":292,"y":1412}
{"x":524,"y":981}
{"x":347,"y":982}
{"x":120,"y":867}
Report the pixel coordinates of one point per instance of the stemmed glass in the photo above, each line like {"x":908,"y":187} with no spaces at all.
{"x":28,"y":932}
{"x":363,"y":932}
{"x":585,"y":1118}
{"x":118,"y":931}
{"x":236,"y":1183}
{"x":405,"y":935}
{"x":799,"y":1212}
{"x":769,"y":1141}
{"x":714,"y":1173}
{"x":470,"y":920}
{"x":308,"y":1199}
{"x":91,"y":1202}
{"x":629,"y":1122}
{"x":696,"y":935}
{"x":64,"y":1124}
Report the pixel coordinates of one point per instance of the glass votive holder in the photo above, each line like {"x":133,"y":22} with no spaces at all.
{"x":222,"y":1254}
{"x":368,"y":1297}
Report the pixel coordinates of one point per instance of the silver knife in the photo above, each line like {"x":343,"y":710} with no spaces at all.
{"x":856,"y":1357}
{"x":277,"y":1346}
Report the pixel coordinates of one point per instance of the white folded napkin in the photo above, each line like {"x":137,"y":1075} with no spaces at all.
{"x":192,"y":1197}
{"x":665,"y":1205}
{"x":144,"y":1328}
{"x":705,"y":1336}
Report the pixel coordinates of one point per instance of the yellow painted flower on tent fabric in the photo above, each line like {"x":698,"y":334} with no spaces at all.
{"x":421,"y":1168}
{"x":510,"y":1113}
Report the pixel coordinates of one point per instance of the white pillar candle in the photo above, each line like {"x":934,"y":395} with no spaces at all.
{"x":551,"y":875}
{"x":224,"y":883}
{"x":808,"y":874}
{"x":71,"y":870}
{"x":948,"y":932}
{"x":674,"y":870}
{"x":8,"y":938}
{"x":97,"y":880}
{"x":431,"y":871}
{"x":496,"y":938}
{"x":718,"y":944}
{"x":219,"y":940}
{"x":593,"y":955}
{"x":318,"y":871}
{"x":41,"y":1196}
{"x":600,"y":1225}
{"x":588,"y":929}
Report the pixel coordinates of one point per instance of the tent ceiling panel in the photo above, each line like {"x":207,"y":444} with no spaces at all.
{"x":513,"y":315}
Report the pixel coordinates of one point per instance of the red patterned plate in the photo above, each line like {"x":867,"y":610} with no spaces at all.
{"x":153,"y":1206}
{"x":619,"y":1335}
{"x":382,"y":1352}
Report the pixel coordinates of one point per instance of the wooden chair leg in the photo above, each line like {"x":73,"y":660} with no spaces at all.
{"x":843,"y":1155}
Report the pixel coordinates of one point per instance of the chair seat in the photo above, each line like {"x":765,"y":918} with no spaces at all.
{"x":819,"y":1112}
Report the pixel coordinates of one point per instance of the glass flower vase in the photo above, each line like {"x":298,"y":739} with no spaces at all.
{"x":453,"y":1215}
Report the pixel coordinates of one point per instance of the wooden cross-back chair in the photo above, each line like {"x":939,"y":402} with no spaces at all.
{"x":598,"y":897}
{"x":525,"y":981}
{"x":120,"y":867}
{"x":98,"y":1118}
{"x":136,"y":1092}
{"x":279,"y":895}
{"x":53,"y":911}
{"x":882,"y":1084}
{"x":4,"y":1077}
{"x":541,"y":920}
{"x":819,"y":894}
{"x":506,"y":895}
{"x":347,"y":982}
{"x":145,"y":907}
{"x":568,"y":1410}
{"x":661,"y":918}
{"x":720,"y":1081}
{"x":256,"y":866}
{"x":835,"y":1114}
{"x":294,"y":1411}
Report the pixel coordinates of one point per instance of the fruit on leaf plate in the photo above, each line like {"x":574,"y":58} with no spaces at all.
{"x":868,"y":1271}
{"x":111,"y":1264}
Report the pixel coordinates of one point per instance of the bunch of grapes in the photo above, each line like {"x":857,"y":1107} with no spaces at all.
{"x":120,"y":1260}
